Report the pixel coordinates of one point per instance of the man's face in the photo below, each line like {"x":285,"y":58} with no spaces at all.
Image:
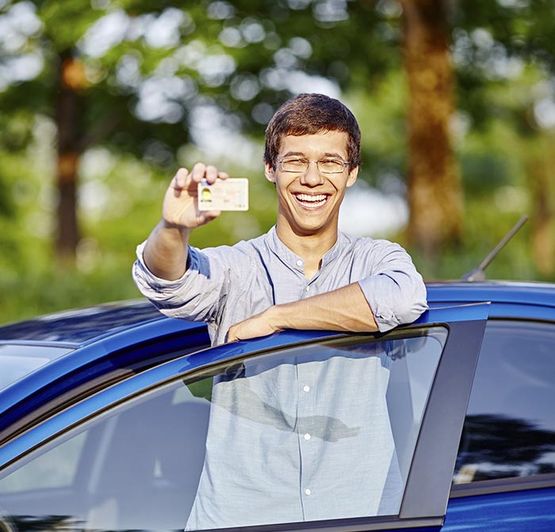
{"x":309,"y":201}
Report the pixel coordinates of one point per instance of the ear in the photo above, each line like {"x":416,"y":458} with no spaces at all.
{"x":352,"y":176}
{"x":270,"y":173}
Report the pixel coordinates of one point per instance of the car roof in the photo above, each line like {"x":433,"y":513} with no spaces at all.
{"x":520,"y":293}
{"x":75,"y":328}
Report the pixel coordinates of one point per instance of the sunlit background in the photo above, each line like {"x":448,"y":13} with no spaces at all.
{"x":101,"y":101}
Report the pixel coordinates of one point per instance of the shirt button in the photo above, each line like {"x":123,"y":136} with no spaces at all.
{"x":299,"y":262}
{"x":307,"y":436}
{"x":307,"y":491}
{"x":308,"y":288}
{"x":306,"y":388}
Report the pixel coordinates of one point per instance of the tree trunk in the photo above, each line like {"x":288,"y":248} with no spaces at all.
{"x":540,"y":161}
{"x":434,"y":189}
{"x":67,"y":110}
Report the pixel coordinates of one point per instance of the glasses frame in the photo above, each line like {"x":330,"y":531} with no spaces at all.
{"x":344,"y":163}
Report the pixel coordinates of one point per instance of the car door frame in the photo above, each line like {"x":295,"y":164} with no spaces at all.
{"x":426,"y":495}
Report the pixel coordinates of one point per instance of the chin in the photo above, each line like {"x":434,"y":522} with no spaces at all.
{"x":309,"y":229}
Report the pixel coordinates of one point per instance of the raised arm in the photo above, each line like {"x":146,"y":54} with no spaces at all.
{"x":165,"y":252}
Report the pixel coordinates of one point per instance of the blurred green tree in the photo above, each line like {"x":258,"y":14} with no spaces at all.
{"x":129,"y":74}
{"x":505,"y":61}
{"x":132,"y":75}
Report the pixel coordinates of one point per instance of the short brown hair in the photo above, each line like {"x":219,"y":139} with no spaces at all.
{"x":308,"y":114}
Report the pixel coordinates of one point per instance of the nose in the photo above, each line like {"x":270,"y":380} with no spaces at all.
{"x":312,"y":177}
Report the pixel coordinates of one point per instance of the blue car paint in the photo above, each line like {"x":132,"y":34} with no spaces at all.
{"x":78,"y":327}
{"x":541,"y":294}
{"x":532,"y":510}
{"x":534,"y":301}
{"x":95,"y":359}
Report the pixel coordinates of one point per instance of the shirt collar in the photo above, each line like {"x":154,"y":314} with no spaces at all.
{"x":293,"y":261}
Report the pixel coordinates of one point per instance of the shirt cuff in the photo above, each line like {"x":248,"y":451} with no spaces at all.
{"x":383,"y":296}
{"x":145,"y":278}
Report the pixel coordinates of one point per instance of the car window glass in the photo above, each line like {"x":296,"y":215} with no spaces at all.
{"x":322,"y":431}
{"x":55,"y":469}
{"x":16,"y":361}
{"x":510,"y":425}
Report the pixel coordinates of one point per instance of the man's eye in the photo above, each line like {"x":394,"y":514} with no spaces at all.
{"x":294,"y":165}
{"x":331,"y":165}
{"x":295,"y":162}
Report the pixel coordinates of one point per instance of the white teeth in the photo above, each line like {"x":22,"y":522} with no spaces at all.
{"x":311,"y":198}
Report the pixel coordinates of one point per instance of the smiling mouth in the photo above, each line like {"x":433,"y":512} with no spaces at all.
{"x":311,"y":201}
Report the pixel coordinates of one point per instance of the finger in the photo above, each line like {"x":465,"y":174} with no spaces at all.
{"x":179,"y":182}
{"x":212,"y":214}
{"x":180,"y":178}
{"x":211,"y":174}
{"x":207,"y":216}
{"x":198,"y":172}
{"x":223,"y":175}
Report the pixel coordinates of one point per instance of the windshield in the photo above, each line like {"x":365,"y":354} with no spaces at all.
{"x":17,"y":361}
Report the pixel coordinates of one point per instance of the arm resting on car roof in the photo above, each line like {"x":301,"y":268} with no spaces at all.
{"x":393,"y":295}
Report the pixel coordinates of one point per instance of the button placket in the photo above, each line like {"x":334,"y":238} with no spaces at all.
{"x":309,"y":434}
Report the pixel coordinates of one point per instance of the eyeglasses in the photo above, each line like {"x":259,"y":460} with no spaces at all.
{"x":296,"y":165}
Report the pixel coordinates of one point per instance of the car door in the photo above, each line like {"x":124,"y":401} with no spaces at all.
{"x":297,"y":430}
{"x":505,"y":471}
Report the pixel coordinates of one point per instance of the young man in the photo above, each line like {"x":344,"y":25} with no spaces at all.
{"x":302,"y":274}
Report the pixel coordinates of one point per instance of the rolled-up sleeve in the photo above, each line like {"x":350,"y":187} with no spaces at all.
{"x":196,"y":295}
{"x":394,"y":290}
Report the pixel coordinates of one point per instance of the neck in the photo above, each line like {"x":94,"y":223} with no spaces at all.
{"x":310,"y":247}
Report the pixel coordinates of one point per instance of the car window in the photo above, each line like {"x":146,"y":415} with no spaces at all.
{"x":320,"y":431}
{"x":510,"y":425}
{"x":16,"y":361}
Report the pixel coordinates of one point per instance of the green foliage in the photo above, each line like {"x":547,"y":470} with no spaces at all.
{"x":503,"y":53}
{"x":485,"y":225}
{"x":67,"y":21}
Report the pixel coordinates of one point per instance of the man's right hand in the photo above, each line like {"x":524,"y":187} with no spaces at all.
{"x":165,"y":252}
{"x":180,"y":207}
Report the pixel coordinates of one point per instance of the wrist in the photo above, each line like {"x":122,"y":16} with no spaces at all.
{"x":276,"y":317}
{"x":183,"y":231}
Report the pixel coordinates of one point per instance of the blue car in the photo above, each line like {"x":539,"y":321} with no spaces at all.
{"x":106,"y":415}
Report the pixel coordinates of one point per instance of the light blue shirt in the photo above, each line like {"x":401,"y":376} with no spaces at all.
{"x":304,"y":439}
{"x":227,"y":284}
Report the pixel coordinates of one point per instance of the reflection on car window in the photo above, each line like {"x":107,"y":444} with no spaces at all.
{"x":323,"y":431}
{"x":510,"y":425}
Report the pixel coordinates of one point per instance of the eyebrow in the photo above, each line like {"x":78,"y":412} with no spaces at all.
{"x":301,"y":154}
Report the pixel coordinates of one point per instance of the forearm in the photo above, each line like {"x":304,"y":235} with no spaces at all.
{"x":165,"y":252}
{"x":344,"y":309}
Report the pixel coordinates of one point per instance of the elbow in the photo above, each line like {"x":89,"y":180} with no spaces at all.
{"x":395,"y":300}
{"x":411,"y":306}
{"x":405,"y":306}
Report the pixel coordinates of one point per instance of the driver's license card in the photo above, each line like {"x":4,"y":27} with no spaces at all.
{"x":230,"y":194}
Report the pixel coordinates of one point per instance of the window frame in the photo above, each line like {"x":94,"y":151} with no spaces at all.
{"x":508,"y":484}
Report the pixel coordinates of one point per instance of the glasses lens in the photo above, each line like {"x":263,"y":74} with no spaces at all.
{"x":331,"y":166}
{"x":294,"y":165}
